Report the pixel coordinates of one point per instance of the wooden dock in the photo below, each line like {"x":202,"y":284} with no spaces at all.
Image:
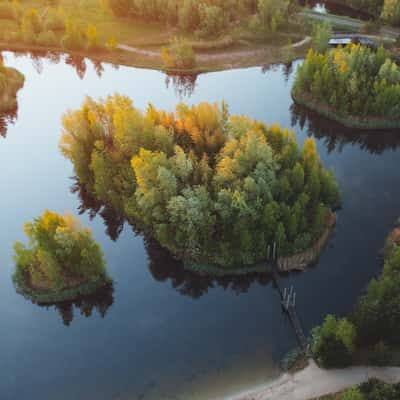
{"x":290,"y":309}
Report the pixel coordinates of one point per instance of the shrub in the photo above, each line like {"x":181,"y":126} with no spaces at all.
{"x":31,"y":22}
{"x":120,"y":7}
{"x":7,"y":11}
{"x":74,"y":37}
{"x":333,"y":342}
{"x":179,"y":55}
{"x":322,"y":32}
{"x":92,"y":38}
{"x":111,"y":44}
{"x":54,"y":21}
{"x":380,"y":354}
{"x":47,"y":39}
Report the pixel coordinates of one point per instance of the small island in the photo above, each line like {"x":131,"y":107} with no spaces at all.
{"x":11,"y":81}
{"x":354,"y":86}
{"x":61,"y":263}
{"x":214,"y":189}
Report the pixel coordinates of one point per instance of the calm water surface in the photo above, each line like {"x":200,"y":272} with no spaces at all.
{"x":165,"y":334}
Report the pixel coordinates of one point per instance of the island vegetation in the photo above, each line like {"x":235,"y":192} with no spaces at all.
{"x":11,"y":81}
{"x":369,"y":334}
{"x":210,"y":187}
{"x":143,"y":33}
{"x":355,"y":86}
{"x":61,"y":262}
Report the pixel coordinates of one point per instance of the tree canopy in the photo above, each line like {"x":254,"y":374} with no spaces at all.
{"x":60,"y":255}
{"x":206,"y":17}
{"x":210,"y":187}
{"x":353,"y":81}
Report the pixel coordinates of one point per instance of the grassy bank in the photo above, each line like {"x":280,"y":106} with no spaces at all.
{"x":237,"y":56}
{"x":235,"y":47}
{"x":348,"y":121}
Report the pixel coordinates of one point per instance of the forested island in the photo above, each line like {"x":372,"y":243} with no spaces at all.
{"x":11,"y":81}
{"x":355,"y":86}
{"x":210,"y":187}
{"x":61,"y":263}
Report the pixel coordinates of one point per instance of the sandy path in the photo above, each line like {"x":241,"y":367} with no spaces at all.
{"x":204,"y":57}
{"x":313,"y":382}
{"x":306,"y":40}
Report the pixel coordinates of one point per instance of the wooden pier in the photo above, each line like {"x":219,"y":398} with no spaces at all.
{"x":288,"y":301}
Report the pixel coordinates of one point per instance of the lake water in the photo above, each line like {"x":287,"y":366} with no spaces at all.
{"x":163,"y":333}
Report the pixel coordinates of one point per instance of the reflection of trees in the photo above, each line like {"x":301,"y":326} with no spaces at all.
{"x":183,"y":84}
{"x":6,"y":118}
{"x":165,"y":268}
{"x":78,"y":63}
{"x":100,"y":301}
{"x":162,"y":265}
{"x":113,"y":220}
{"x":336,"y":136}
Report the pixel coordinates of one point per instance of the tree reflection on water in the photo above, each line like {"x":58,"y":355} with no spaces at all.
{"x":183,"y":84}
{"x":162,"y":265}
{"x":335,"y":136}
{"x":100,"y":301}
{"x":7,"y":118}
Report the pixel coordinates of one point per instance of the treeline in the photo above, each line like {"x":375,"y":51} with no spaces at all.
{"x":386,"y":10}
{"x":369,"y":335}
{"x":207,"y":17}
{"x":208,"y":186}
{"x":51,"y":27}
{"x":353,"y":81}
{"x":373,"y":7}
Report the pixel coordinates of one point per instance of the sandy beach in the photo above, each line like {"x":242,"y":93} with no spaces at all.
{"x":313,"y":382}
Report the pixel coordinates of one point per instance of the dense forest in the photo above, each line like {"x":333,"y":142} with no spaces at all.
{"x":11,"y":81}
{"x":369,"y":335}
{"x":374,"y":7}
{"x":210,"y":187}
{"x":353,"y":81}
{"x":61,"y":261}
{"x":387,"y":10}
{"x":207,"y":17}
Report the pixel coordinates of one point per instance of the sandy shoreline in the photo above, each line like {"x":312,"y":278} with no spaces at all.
{"x":313,"y":382}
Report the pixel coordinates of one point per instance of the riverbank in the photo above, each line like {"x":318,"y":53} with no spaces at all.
{"x":348,"y":121}
{"x":296,"y":262}
{"x":313,"y":382}
{"x":240,"y":55}
{"x":300,"y":261}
